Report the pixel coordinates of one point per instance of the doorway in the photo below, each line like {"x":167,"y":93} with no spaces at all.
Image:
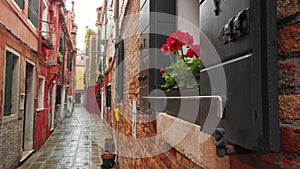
{"x":53,"y":97}
{"x":28,"y":119}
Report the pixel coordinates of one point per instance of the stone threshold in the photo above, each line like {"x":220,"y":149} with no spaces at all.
{"x":26,"y":155}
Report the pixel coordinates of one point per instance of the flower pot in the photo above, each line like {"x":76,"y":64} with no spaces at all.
{"x":108,"y":160}
{"x":47,"y":44}
{"x":185,"y":109}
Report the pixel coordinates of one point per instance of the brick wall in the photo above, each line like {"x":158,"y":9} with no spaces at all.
{"x":11,"y":131}
{"x":10,"y":153}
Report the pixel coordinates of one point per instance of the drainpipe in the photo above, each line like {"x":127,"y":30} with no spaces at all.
{"x":116,"y":10}
{"x":40,"y":27}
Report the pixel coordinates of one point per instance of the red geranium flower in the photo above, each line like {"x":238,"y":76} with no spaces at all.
{"x":165,"y":49}
{"x":195,"y":49}
{"x":176,"y":44}
{"x":161,"y":70}
{"x":184,"y":38}
{"x":190,"y":53}
{"x":173,"y":44}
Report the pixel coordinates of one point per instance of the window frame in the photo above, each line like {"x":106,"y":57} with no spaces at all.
{"x":30,"y":19}
{"x":41,"y":100}
{"x":17,"y":64}
{"x":45,"y":25}
{"x":17,"y":5}
{"x":120,"y":72}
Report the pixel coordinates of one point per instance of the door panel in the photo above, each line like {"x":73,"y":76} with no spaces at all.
{"x":243,"y":34}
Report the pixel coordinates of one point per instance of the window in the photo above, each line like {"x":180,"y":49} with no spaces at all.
{"x":62,"y":46}
{"x":58,"y":94}
{"x":120,"y":72}
{"x":189,"y":21}
{"x":45,"y":27}
{"x":11,"y":95}
{"x":69,"y":64}
{"x":41,"y":93}
{"x":33,"y":12}
{"x":20,"y":3}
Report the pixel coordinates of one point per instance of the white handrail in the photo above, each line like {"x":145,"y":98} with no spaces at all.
{"x":219,"y":102}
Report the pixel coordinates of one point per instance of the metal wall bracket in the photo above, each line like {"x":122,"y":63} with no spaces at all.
{"x":221,"y":149}
{"x":235,"y":27}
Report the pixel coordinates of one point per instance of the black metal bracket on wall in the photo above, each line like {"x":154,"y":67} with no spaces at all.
{"x":223,"y":148}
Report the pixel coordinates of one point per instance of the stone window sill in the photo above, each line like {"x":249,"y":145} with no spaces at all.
{"x":7,"y":119}
{"x":187,"y":138}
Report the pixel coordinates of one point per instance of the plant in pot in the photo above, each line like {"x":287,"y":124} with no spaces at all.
{"x":182,"y":76}
{"x":100,"y":77}
{"x":47,"y":43}
{"x":185,"y":65}
{"x":59,"y":58}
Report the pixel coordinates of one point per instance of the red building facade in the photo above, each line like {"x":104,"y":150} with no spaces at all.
{"x":57,"y":60}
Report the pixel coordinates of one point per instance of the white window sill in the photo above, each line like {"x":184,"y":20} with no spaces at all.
{"x":40,"y":109}
{"x":190,"y":141}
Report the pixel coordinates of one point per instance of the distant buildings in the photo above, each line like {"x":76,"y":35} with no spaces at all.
{"x":79,"y":83}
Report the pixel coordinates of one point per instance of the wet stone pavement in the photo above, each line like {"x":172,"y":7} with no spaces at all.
{"x":77,"y":143}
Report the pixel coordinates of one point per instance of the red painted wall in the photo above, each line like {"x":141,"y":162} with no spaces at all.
{"x":47,"y":68}
{"x":92,"y":105}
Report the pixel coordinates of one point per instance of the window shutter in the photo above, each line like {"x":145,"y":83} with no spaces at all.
{"x":120,"y":72}
{"x":108,"y":96}
{"x":33,"y":12}
{"x":69,"y":65}
{"x":8,"y":83}
{"x":243,"y":32}
{"x":58,"y":94}
{"x":20,"y":3}
{"x":160,"y":27}
{"x":163,"y":27}
{"x":62,"y":46}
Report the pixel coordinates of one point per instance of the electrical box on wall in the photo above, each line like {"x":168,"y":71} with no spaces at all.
{"x":238,"y":53}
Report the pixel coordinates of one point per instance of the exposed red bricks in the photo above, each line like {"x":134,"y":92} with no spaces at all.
{"x":289,"y":107}
{"x":287,"y":75}
{"x":290,"y":140}
{"x":286,"y":8}
{"x":289,"y":40}
{"x":289,"y":100}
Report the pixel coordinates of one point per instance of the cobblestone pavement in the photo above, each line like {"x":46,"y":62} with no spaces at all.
{"x":76,"y":143}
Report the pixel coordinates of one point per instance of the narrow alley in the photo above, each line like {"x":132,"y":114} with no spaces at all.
{"x":156,"y":84}
{"x":76,"y":143}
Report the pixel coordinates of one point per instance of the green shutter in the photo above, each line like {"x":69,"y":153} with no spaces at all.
{"x":62,"y":46}
{"x":58,"y":94}
{"x":100,"y":66}
{"x":120,"y":72}
{"x":33,"y":12}
{"x":69,"y":65}
{"x":8,"y":83}
{"x":20,"y":3}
